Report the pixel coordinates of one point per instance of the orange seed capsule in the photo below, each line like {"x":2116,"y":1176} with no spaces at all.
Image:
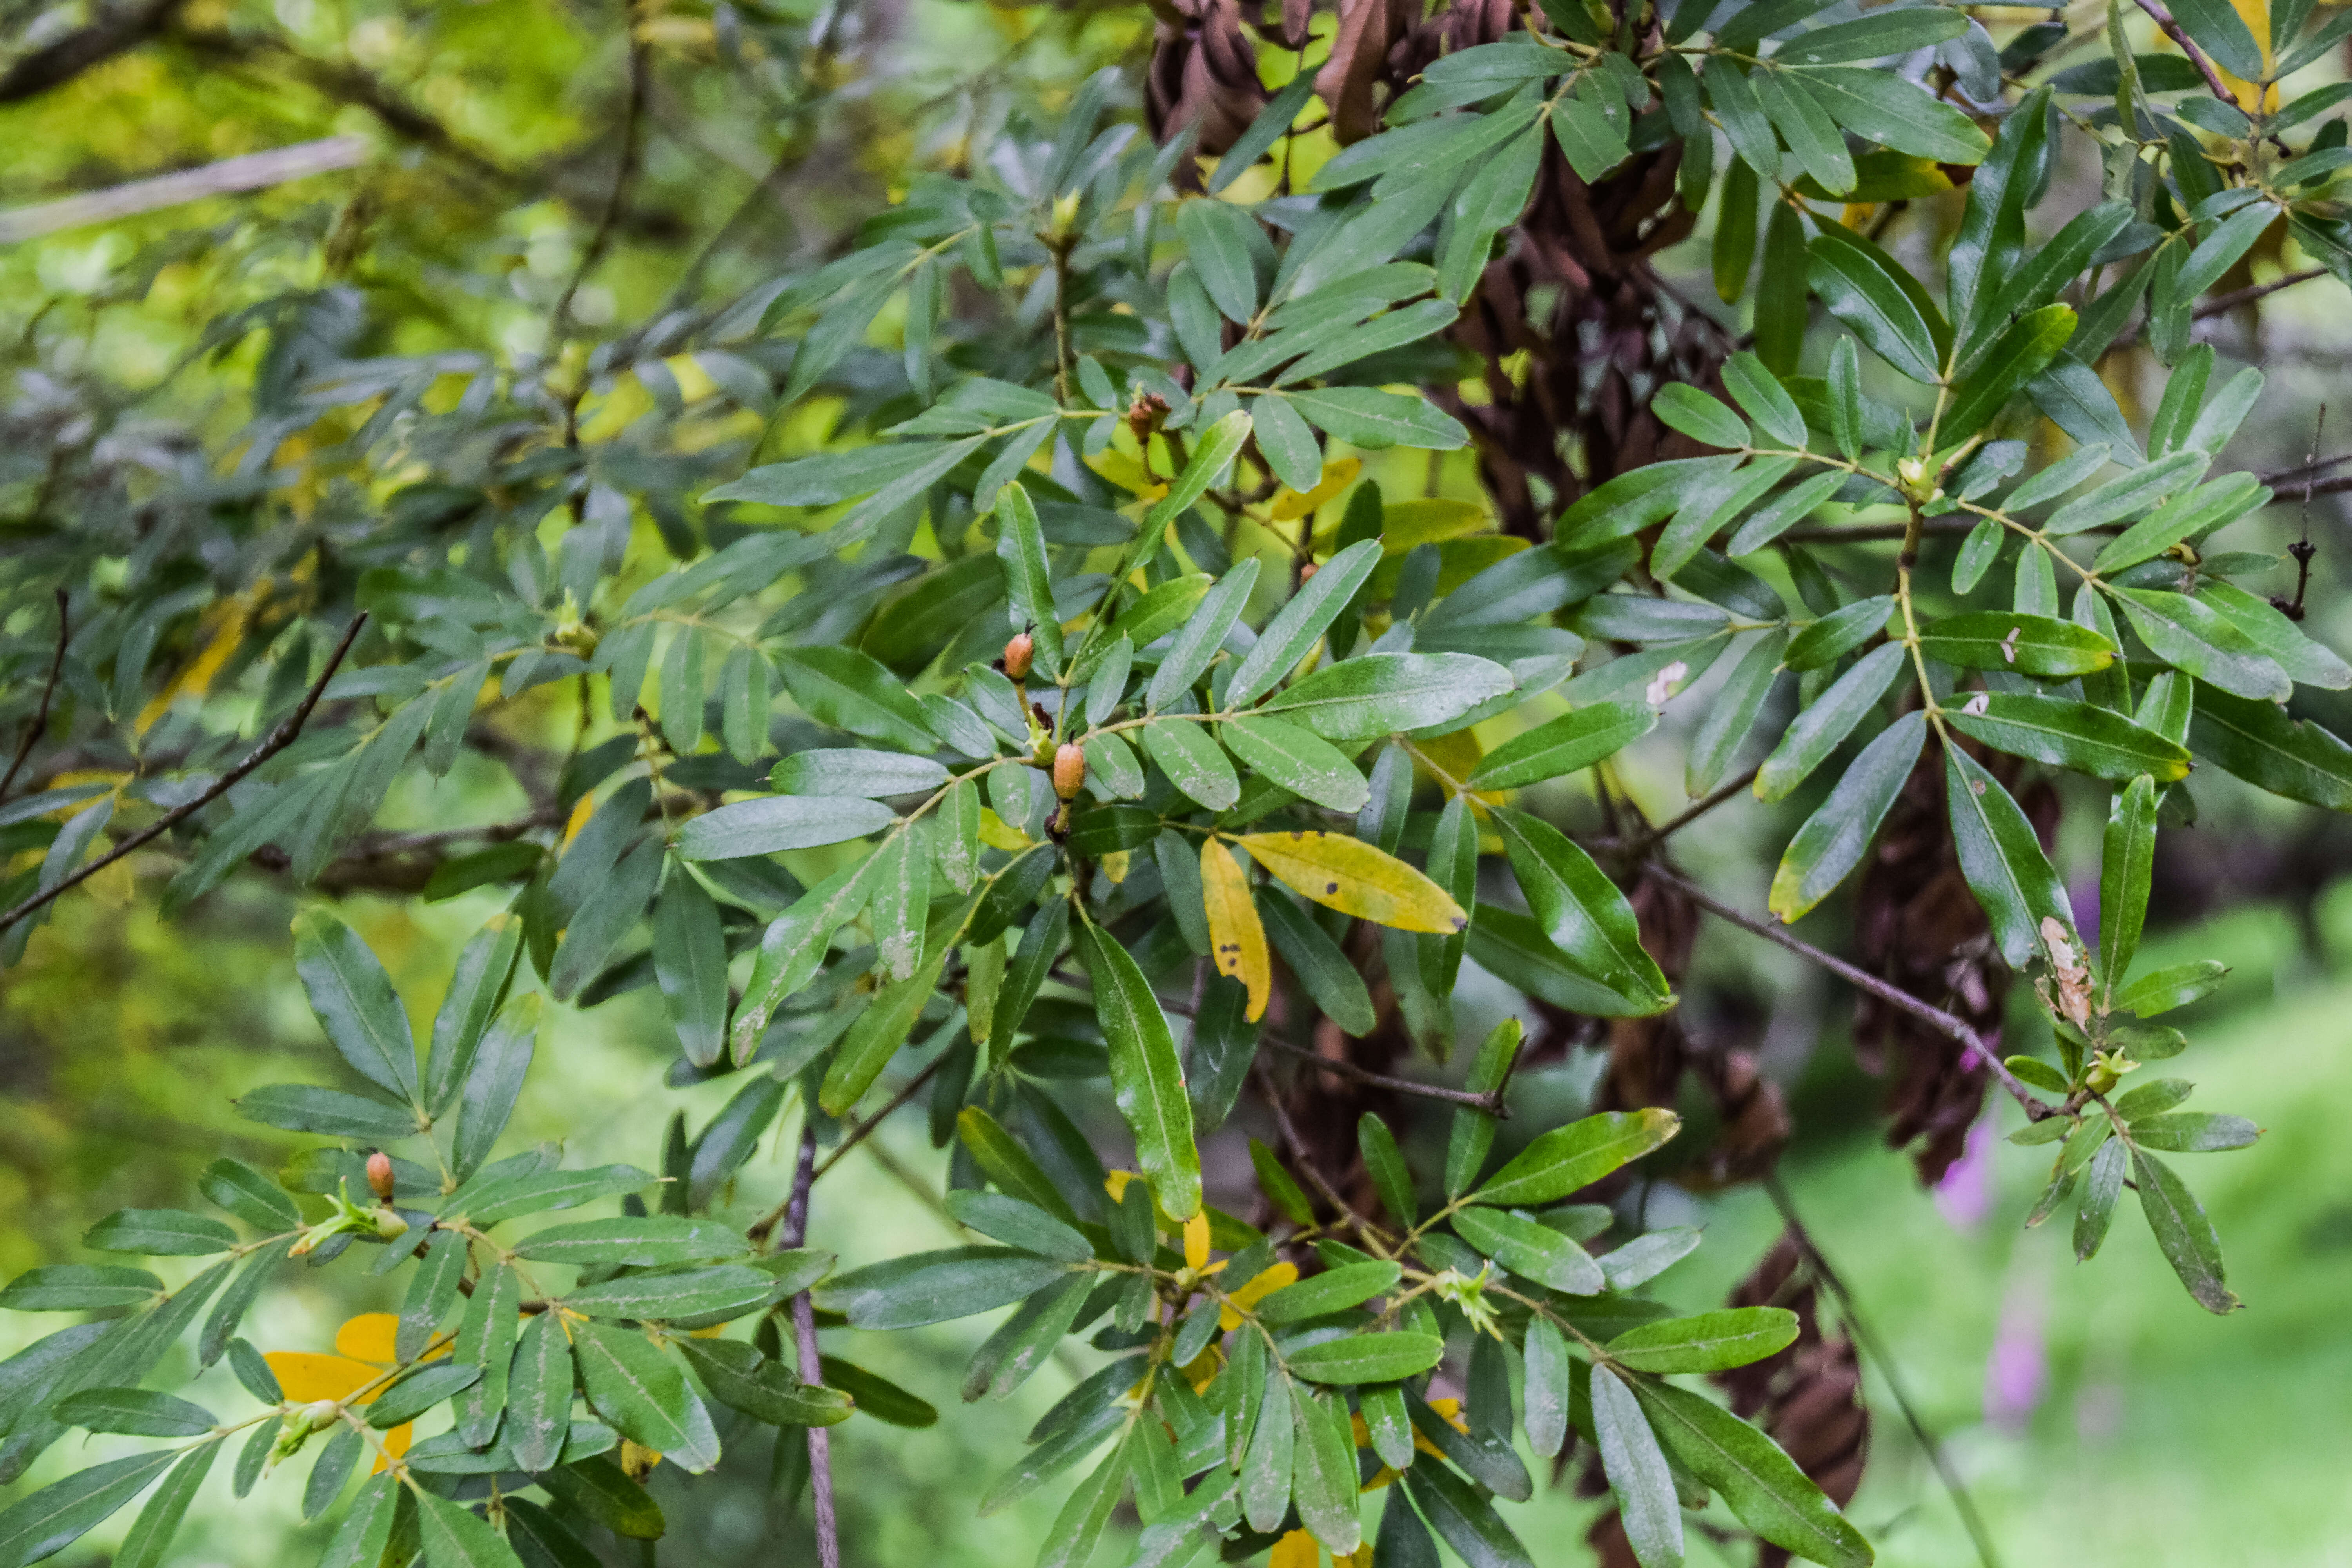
{"x":1069,"y":771}
{"x":379,"y":1175}
{"x":1018,"y":655}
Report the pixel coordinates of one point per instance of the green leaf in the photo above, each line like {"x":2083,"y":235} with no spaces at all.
{"x":352,"y":998}
{"x":304,"y":1108}
{"x":2077,"y":735}
{"x":360,"y":1541}
{"x":690,"y":966}
{"x":420,"y":1391}
{"x":855,"y":771}
{"x":1818,"y":731}
{"x":1466,"y":1520}
{"x":602,"y":1492}
{"x":2175,"y":986}
{"x":1384,"y":1161}
{"x":1019,"y":1224}
{"x":1146,"y":1081}
{"x":1592,"y":141}
{"x":1366,"y":1358}
{"x":2194,"y":1132}
{"x":1222,"y":243}
{"x":456,"y":1537}
{"x":1371,"y":419}
{"x":2002,"y":859}
{"x":878,"y":1032}
{"x":238,"y":1188}
{"x":2184,"y":1235}
{"x":1297,"y":759}
{"x":1637,"y":1473}
{"x":1381,"y":692}
{"x":1858,"y":287}
{"x":1028,"y":578}
{"x":2221,"y":32}
{"x":2308,"y":662}
{"x":1882,"y":107}
{"x":138,"y":1411}
{"x":1531,"y":1250}
{"x":1581,"y":909}
{"x":1295,"y":628}
{"x":1873,"y":37}
{"x":2127,"y":864}
{"x":538,"y":1393}
{"x":493,"y":1083}
{"x":1761,"y":396}
{"x":1267,"y":1462}
{"x":1808,"y":129}
{"x":149,"y":1542}
{"x":692,"y":1293}
{"x":639,"y":1241}
{"x":1289,"y":447}
{"x":54,"y":1518}
{"x":740,"y":1378}
{"x":2190,"y":636}
{"x":1194,"y":762}
{"x":642,"y":1393}
{"x":1324,"y":1475}
{"x":795,"y":943}
{"x":1201,"y":636}
{"x":1566,"y":744}
{"x":1834,"y":840}
{"x":851,"y":690}
{"x":1546,"y":1394}
{"x":2040,"y":646}
{"x":2024,"y":348}
{"x":1333,"y":1291}
{"x":160,"y":1232}
{"x":1839,"y":633}
{"x":2259,"y":744}
{"x":779,"y":822}
{"x":1565,"y":1159}
{"x":485,"y":966}
{"x":1699,"y":417}
{"x":1765,"y":1489}
{"x":1711,"y":1341}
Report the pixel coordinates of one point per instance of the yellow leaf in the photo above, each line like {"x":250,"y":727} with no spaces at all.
{"x":1336,"y":477}
{"x":1196,"y":1241}
{"x":1361,"y":1557}
{"x":1127,"y":474}
{"x":306,"y":1375}
{"x":1229,"y":1316}
{"x":395,"y":1444}
{"x":369,"y":1337}
{"x":999,"y":834}
{"x":1428,"y":520}
{"x":1236,"y":937}
{"x":1356,"y":879}
{"x":1458,"y":561}
{"x":1202,"y":1369}
{"x":1295,"y":1550}
{"x":1113,"y":864}
{"x":578,"y":819}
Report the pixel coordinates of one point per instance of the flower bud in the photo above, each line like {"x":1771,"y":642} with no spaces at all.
{"x":321,"y":1414}
{"x":1069,"y":771}
{"x":1018,"y":654}
{"x":379,"y":1175}
{"x":1306,"y":574}
{"x":388,"y":1225}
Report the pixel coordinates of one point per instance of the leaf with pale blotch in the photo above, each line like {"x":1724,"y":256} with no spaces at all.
{"x":1356,"y":879}
{"x":1236,"y":936}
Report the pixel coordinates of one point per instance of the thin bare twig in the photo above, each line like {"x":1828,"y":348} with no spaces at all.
{"x":623,"y":176}
{"x":40,"y":724}
{"x":819,"y":1445}
{"x":1863,"y":980}
{"x":276,"y":742}
{"x":1965,"y":1505}
{"x":1298,"y":1152}
{"x":1490,"y":1103}
{"x":2220,"y":304}
{"x":2205,"y":67}
{"x":1649,"y":837}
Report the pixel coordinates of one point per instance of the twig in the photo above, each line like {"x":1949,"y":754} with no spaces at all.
{"x":1965,"y":1505}
{"x":249,"y":172}
{"x":277,"y":740}
{"x":1490,"y":1103}
{"x":115,"y":31}
{"x":2220,"y":304}
{"x":33,"y":732}
{"x":1841,"y":534}
{"x":2173,"y":30}
{"x":1863,"y":980}
{"x":1298,"y":1152}
{"x":820,"y":1445}
{"x":599,"y":241}
{"x":1641,"y":842}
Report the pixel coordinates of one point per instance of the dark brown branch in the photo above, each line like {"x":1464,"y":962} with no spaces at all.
{"x":781,"y":1213}
{"x":1490,"y":1103}
{"x":2220,"y":304}
{"x":1863,"y":980}
{"x":40,"y":724}
{"x":623,"y":176}
{"x":1963,"y":1503}
{"x":2205,"y":67}
{"x":276,"y":742}
{"x":820,"y":1443}
{"x":115,"y":32}
{"x":1642,"y":842}
{"x":1299,"y":1155}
